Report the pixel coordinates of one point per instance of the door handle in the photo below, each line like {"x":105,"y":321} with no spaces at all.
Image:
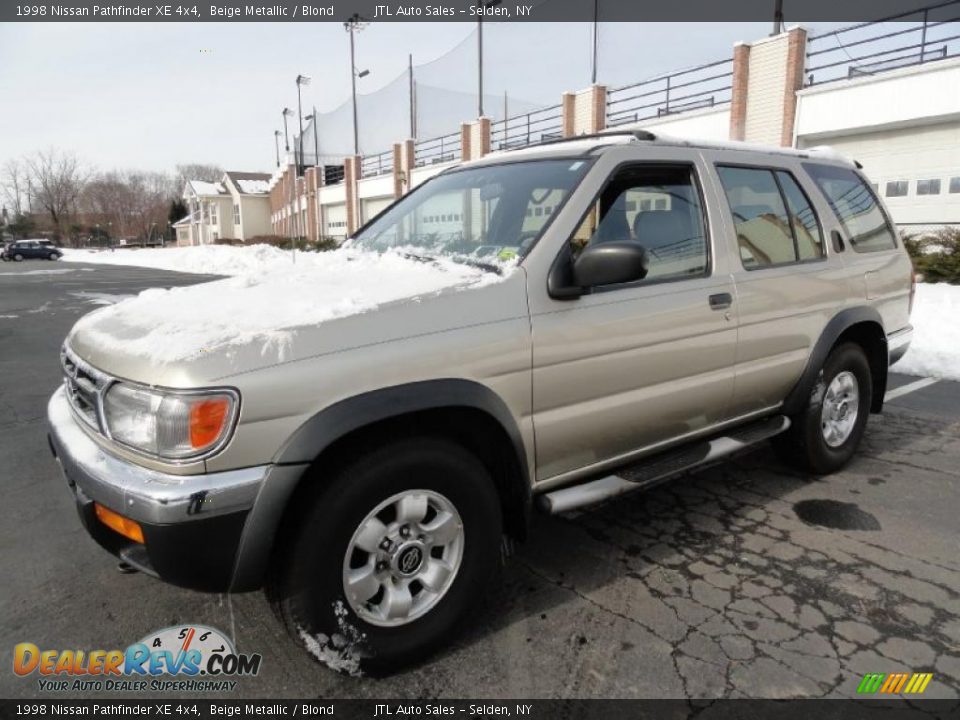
{"x":721,"y":301}
{"x":837,"y":239}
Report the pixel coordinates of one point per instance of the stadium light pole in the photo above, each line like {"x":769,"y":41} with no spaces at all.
{"x":287,"y":112}
{"x":276,"y":142}
{"x":301,"y":81}
{"x":354,"y":24}
{"x":484,"y":4}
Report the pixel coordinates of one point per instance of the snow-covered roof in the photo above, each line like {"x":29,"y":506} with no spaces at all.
{"x":201,"y":187}
{"x":253,"y":187}
{"x":248,"y":183}
{"x":185,"y":220}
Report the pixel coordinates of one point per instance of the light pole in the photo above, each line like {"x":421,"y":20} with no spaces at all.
{"x":352,"y":25}
{"x":312,"y":117}
{"x":483,"y":5}
{"x":276,"y":141}
{"x":287,"y":112}
{"x":301,"y":81}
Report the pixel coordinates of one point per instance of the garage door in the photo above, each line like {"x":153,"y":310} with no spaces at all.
{"x":335,"y":221}
{"x":374,"y":206}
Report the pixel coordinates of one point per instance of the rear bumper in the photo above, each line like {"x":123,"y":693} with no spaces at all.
{"x":898,"y":343}
{"x":208,"y":532}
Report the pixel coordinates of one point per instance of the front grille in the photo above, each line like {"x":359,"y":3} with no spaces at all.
{"x":84,"y":386}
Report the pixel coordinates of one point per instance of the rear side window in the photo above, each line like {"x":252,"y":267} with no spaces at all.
{"x":855,"y":206}
{"x":776,"y":225}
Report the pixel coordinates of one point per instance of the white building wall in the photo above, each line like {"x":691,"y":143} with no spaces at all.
{"x":911,"y":154}
{"x":901,"y":125}
{"x":709,"y":124}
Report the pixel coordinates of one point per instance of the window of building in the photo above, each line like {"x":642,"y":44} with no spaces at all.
{"x":236,"y":213}
{"x":865,"y":223}
{"x":213,"y":213}
{"x":955,"y":185}
{"x":775,"y":222}
{"x":897,"y":188}
{"x":673,"y":235}
{"x":928,"y":187}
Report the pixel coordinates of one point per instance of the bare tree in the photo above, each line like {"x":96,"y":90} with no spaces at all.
{"x":197,"y":171}
{"x":132,"y":204}
{"x":56,"y":181}
{"x":13,"y":186}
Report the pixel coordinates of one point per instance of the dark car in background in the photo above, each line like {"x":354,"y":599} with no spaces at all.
{"x":31,"y":250}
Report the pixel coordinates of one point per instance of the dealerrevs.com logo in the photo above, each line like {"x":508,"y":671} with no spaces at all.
{"x":178,"y":659}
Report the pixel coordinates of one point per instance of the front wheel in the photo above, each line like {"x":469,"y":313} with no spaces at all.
{"x":53,"y":256}
{"x":18,"y":257}
{"x":827,"y":431}
{"x":390,"y":555}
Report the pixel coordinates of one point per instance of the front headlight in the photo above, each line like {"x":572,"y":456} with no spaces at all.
{"x":169,"y":424}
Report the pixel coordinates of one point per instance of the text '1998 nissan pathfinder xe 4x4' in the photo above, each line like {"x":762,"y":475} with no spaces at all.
{"x":627,"y":308}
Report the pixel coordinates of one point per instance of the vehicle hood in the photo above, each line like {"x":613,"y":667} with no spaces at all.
{"x":326,"y":302}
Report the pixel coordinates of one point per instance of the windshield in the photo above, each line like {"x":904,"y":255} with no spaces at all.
{"x":483,"y":214}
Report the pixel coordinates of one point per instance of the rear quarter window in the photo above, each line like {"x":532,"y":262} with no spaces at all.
{"x":853,"y":202}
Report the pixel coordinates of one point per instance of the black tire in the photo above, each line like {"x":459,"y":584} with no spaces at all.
{"x":18,"y":257}
{"x":307,"y":589}
{"x":53,"y":256}
{"x":804,"y":445}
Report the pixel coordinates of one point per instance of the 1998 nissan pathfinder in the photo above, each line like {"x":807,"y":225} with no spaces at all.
{"x":665,"y":304}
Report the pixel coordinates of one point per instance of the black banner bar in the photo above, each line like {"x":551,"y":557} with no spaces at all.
{"x":319,"y":709}
{"x":450,"y":10}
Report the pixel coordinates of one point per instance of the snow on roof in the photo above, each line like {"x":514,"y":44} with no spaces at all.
{"x":185,"y":220}
{"x":201,"y":187}
{"x":253,"y":187}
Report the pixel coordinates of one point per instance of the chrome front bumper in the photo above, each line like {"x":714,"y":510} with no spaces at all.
{"x":137,"y":492}
{"x":211,"y":531}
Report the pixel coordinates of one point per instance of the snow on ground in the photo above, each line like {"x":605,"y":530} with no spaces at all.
{"x":205,"y":259}
{"x":935,"y":350}
{"x":266,"y":302}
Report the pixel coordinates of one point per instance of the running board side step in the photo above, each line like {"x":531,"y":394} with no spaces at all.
{"x":654,"y":470}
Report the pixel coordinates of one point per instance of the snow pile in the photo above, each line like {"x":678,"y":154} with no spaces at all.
{"x":935,"y":350}
{"x":203,"y":259}
{"x":267,"y":304}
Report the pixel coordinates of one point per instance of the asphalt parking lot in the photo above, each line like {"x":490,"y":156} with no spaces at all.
{"x":745,"y":580}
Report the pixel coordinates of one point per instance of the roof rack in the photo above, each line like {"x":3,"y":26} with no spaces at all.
{"x":640,"y":135}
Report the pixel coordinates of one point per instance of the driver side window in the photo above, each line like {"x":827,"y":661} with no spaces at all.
{"x":658,"y":207}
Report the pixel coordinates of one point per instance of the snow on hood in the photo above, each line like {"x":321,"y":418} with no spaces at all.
{"x":266,"y":307}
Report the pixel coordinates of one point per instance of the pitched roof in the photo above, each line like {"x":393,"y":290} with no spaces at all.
{"x":202,"y":187}
{"x":249,"y":183}
{"x":185,"y":220}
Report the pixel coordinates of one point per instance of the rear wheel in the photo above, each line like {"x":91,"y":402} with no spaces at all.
{"x":390,"y":555}
{"x":53,"y":256}
{"x":17,"y":257}
{"x":825,"y":434}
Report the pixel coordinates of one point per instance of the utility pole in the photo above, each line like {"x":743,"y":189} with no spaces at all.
{"x":413,"y":122}
{"x":596,"y":30}
{"x":301,"y":81}
{"x":276,"y":141}
{"x":352,"y":25}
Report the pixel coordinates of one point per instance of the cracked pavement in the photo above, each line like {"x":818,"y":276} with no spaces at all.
{"x":746,"y":579}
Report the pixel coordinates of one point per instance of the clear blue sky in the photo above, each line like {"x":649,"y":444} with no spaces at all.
{"x":149,"y":96}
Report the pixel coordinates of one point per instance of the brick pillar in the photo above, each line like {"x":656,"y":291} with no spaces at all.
{"x":351,"y":174}
{"x":466,"y":136}
{"x":312,"y":174}
{"x":399,"y":177}
{"x":796,"y":59}
{"x":773,"y":76}
{"x":738,"y":93}
{"x":568,"y":108}
{"x":481,"y":133}
{"x":599,"y":101}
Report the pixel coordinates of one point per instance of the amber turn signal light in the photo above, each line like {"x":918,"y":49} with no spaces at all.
{"x":118,"y":523}
{"x":207,"y":419}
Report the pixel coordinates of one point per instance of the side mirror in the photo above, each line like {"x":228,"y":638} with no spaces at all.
{"x":610,"y":263}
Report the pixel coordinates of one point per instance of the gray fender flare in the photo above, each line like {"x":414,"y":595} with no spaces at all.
{"x":838,"y":324}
